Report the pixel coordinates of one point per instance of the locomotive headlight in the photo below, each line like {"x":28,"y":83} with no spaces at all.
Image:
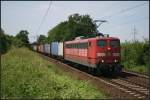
{"x":108,"y":48}
{"x":102,"y":60}
{"x":115,"y":60}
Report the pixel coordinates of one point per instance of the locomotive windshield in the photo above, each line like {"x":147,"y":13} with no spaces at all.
{"x":114,"y":43}
{"x":101,"y":43}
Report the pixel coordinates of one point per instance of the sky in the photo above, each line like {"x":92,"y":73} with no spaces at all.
{"x":122,"y":17}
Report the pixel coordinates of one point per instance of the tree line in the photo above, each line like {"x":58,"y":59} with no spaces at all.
{"x":76,"y":25}
{"x":9,"y":41}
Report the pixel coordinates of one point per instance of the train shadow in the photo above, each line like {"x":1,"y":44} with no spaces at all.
{"x":118,"y":75}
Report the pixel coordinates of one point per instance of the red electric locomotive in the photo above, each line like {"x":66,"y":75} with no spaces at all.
{"x":100,"y":53}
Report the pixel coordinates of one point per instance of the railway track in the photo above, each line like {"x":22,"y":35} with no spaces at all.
{"x":117,"y":88}
{"x":136,"y":85}
{"x":136,"y":74}
{"x":130,"y":88}
{"x":134,"y":79}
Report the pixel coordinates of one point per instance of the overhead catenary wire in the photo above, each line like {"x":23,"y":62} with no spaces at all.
{"x":128,"y":22}
{"x":50,"y":3}
{"x":124,"y":10}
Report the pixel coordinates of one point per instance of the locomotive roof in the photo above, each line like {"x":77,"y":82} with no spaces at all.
{"x":95,"y":38}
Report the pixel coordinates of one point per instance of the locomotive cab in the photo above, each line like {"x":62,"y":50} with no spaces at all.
{"x":108,"y":55}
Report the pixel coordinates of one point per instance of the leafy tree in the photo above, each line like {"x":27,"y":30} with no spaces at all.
{"x":22,"y":38}
{"x":77,"y":25}
{"x":42,"y":39}
{"x":145,"y":53}
{"x":82,"y":25}
{"x":3,"y":43}
{"x":8,"y":41}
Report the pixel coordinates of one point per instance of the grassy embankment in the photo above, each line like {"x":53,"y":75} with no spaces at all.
{"x":26,"y":75}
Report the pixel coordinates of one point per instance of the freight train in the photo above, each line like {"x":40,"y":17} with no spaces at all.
{"x":100,"y":54}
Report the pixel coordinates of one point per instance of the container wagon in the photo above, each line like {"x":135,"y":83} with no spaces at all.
{"x":57,"y":49}
{"x":47,"y":49}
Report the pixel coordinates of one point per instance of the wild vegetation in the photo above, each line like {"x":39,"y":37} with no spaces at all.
{"x":8,"y":41}
{"x":24,"y":74}
{"x":135,"y":56}
{"x":5,"y":42}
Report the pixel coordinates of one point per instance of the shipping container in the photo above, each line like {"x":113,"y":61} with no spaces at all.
{"x":47,"y":48}
{"x":34,"y":47}
{"x":37,"y":48}
{"x":54,"y":48}
{"x":60,"y":49}
{"x":57,"y":48}
{"x":41,"y":48}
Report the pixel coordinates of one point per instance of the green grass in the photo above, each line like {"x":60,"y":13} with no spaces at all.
{"x":141,"y":69}
{"x":27,"y":75}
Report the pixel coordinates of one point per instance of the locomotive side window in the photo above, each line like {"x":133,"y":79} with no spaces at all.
{"x":83,"y":45}
{"x":67,"y":45}
{"x":77,"y":45}
{"x":101,"y":43}
{"x":115,"y":43}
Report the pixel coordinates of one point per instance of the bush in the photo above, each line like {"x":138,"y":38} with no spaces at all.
{"x":135,"y":54}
